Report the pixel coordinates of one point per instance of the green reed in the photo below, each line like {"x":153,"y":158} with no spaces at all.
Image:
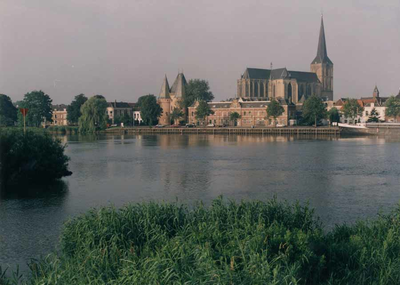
{"x":226,"y":243}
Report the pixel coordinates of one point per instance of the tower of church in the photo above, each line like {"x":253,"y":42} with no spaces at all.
{"x":323,"y":66}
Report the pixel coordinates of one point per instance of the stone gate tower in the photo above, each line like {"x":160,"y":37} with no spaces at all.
{"x":323,"y":66}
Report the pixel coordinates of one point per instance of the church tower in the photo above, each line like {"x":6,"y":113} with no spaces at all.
{"x":323,"y":66}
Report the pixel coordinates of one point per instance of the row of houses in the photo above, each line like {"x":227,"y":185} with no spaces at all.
{"x":114,"y":110}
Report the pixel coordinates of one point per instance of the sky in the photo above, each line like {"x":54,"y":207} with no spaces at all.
{"x":122,"y":49}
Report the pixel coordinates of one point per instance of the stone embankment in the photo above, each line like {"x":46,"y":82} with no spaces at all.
{"x":241,"y":131}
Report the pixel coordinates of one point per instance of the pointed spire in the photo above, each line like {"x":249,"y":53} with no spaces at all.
{"x":376,"y":92}
{"x":322,"y":54}
{"x":164,"y":92}
{"x":178,"y":88}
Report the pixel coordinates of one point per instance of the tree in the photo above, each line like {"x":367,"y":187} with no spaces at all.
{"x":393,"y":107}
{"x":196,"y":90}
{"x":203,"y":110}
{"x":39,"y":108}
{"x":94,"y":116}
{"x":176,"y":115}
{"x":8,"y":112}
{"x":234,"y":117}
{"x":351,"y":109}
{"x":313,"y":110}
{"x":126,"y":119}
{"x":374,"y":117}
{"x":274,"y":110}
{"x":149,"y":109}
{"x":74,"y":110}
{"x":333,"y":115}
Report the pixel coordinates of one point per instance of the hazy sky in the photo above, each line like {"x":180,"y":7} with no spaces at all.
{"x":123,"y":48}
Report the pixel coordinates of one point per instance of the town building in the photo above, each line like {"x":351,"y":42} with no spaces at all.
{"x":294,"y":86}
{"x":59,"y":115}
{"x":252,"y":113}
{"x":119,"y":109}
{"x":170,"y":98}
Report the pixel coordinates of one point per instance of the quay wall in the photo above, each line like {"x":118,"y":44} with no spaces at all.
{"x":241,"y":131}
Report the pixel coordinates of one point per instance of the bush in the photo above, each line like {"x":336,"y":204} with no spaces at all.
{"x":226,"y":243}
{"x":33,"y":157}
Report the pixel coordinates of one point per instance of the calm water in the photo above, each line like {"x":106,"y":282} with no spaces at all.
{"x":343,"y":179}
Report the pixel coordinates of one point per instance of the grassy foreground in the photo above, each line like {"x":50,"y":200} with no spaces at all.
{"x":226,"y":243}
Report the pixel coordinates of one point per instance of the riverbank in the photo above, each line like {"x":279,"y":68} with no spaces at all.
{"x":235,"y":130}
{"x":226,"y":243}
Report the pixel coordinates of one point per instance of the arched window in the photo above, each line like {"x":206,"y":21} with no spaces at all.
{"x":273,"y":91}
{"x":308,"y":90}
{"x":289,"y":92}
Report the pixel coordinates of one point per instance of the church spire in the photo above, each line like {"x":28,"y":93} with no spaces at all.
{"x":164,"y":92}
{"x":376,"y":92}
{"x":322,"y":54}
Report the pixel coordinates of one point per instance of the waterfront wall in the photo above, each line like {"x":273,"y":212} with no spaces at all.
{"x":242,"y":131}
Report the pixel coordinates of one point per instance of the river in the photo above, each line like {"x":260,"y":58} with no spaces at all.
{"x":344,"y":179}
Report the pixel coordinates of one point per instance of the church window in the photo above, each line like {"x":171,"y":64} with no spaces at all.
{"x":290,"y":91}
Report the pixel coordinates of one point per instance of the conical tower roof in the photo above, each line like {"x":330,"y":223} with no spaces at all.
{"x":178,"y":88}
{"x":164,"y":92}
{"x":322,"y":54}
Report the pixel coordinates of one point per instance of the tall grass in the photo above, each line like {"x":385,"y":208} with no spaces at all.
{"x":225,"y":243}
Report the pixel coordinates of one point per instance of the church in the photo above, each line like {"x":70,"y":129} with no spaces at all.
{"x":295,"y":86}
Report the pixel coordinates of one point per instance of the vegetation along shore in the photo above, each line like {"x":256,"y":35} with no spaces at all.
{"x":226,"y":243}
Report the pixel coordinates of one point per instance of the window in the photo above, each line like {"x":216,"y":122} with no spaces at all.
{"x":245,"y":113}
{"x":366,"y":113}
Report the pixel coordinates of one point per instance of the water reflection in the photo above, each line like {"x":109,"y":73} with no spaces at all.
{"x":344,"y":179}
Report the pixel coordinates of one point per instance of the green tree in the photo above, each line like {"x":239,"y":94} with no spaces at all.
{"x":233,"y":117}
{"x":39,"y":108}
{"x":94,"y":115}
{"x":126,"y":119}
{"x":274,"y":110}
{"x":393,"y":107}
{"x":333,"y":115}
{"x":176,"y":115}
{"x":203,"y":110}
{"x":374,"y":117}
{"x":313,"y":110}
{"x":74,"y":110}
{"x":351,"y":109}
{"x":149,"y":109}
{"x":8,"y":112}
{"x":196,"y":90}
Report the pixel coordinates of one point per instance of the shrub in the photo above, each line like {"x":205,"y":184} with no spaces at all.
{"x":31,"y":157}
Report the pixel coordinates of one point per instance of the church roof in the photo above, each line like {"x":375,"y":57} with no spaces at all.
{"x":178,"y":88}
{"x":164,"y":92}
{"x":280,"y":73}
{"x":322,"y":54}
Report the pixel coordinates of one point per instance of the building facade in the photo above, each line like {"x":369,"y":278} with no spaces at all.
{"x":59,"y":115}
{"x":170,"y":98}
{"x":252,"y":113}
{"x":119,"y":109}
{"x":264,"y":84}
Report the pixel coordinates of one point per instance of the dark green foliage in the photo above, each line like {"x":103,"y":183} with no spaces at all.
{"x":313,"y":110}
{"x":351,"y":109}
{"x":33,"y":157}
{"x":176,"y":114}
{"x":94,"y":116}
{"x":149,"y":109}
{"x":126,"y":119}
{"x":234,"y":117}
{"x":275,"y":109}
{"x":203,"y":110}
{"x":226,"y":243}
{"x":197,"y":90}
{"x":39,"y":108}
{"x":8,"y":112}
{"x":74,"y":110}
{"x":374,"y":117}
{"x":333,"y":115}
{"x":393,"y":107}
